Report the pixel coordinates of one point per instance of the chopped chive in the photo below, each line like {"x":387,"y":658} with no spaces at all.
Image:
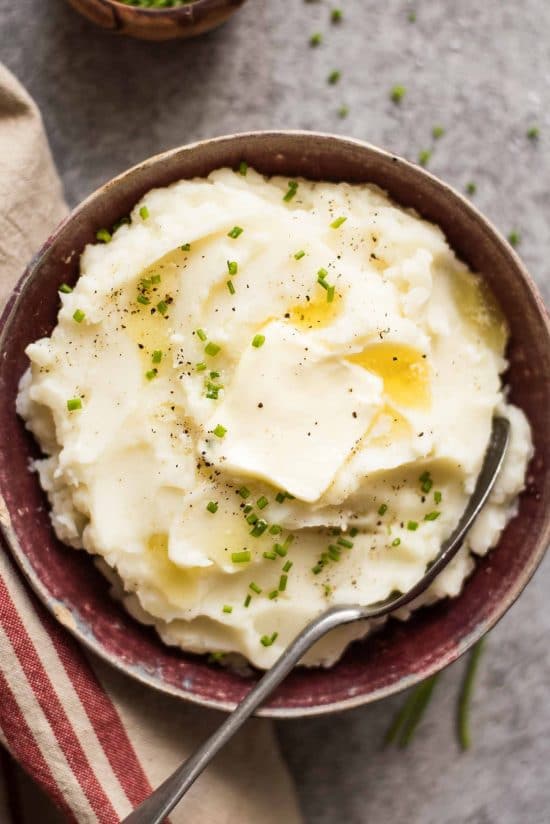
{"x":228,"y":609}
{"x":334,"y":77}
{"x":289,"y":540}
{"x":241,"y":557}
{"x":299,"y":254}
{"x":533,"y":133}
{"x":283,"y":582}
{"x":274,"y":594}
{"x":345,"y":542}
{"x":514,"y":238}
{"x":200,"y":367}
{"x":65,"y":288}
{"x":258,"y":341}
{"x":212,"y":506}
{"x":162,"y":307}
{"x":437,"y":497}
{"x":255,"y":588}
{"x":262,"y":502}
{"x":280,"y":497}
{"x":214,"y":375}
{"x":466,"y":694}
{"x":437,"y":132}
{"x":103,"y":235}
{"x":292,"y":189}
{"x":412,"y":525}
{"x":330,"y":293}
{"x":248,"y":508}
{"x":427,"y":485}
{"x":396,"y":542}
{"x":235,"y":232}
{"x":151,"y":373}
{"x":155,"y":278}
{"x":334,"y":553}
{"x":247,"y":600}
{"x":201,"y":334}
{"x":281,"y":550}
{"x":327,"y":589}
{"x":79,"y":316}
{"x":318,"y":568}
{"x":288,"y":566}
{"x":252,"y":519}
{"x":382,"y":509}
{"x":243,"y":168}
{"x":432,"y":516}
{"x":259,"y":528}
{"x":353,"y":532}
{"x":143,"y":299}
{"x":230,"y":287}
{"x":186,"y":247}
{"x":343,"y":111}
{"x":268,"y":640}
{"x":244,"y":492}
{"x":73,"y":404}
{"x":316,"y":39}
{"x":471,"y":188}
{"x":424,"y":157}
{"x":144,"y":213}
{"x":397,"y":94}
{"x":214,"y":657}
{"x":232,"y":267}
{"x":338,"y":222}
{"x":322,"y":275}
{"x":411,"y":17}
{"x":270,"y":556}
{"x":275,"y":529}
{"x":212,"y":349}
{"x":156,"y":357}
{"x":219,"y":431}
{"x":336,"y":16}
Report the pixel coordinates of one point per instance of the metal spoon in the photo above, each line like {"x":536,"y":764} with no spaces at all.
{"x":154,"y":809}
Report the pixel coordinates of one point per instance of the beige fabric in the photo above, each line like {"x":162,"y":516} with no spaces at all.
{"x":248,"y":783}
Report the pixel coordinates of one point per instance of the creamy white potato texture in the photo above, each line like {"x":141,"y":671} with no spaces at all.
{"x":264,"y":397}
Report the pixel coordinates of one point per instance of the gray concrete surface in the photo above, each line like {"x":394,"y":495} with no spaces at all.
{"x":482,"y":70}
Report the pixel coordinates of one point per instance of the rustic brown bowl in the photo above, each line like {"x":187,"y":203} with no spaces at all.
{"x":158,"y":24}
{"x":401,"y":654}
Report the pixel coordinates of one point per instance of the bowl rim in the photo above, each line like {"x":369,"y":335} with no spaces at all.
{"x":57,"y":608}
{"x":172,"y":10}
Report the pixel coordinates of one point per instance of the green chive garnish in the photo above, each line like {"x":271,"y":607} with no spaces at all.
{"x":150,"y":374}
{"x":282,"y":583}
{"x":299,"y":255}
{"x":334,"y":553}
{"x":212,"y":349}
{"x":252,"y":519}
{"x":243,"y":492}
{"x":200,"y":367}
{"x":514,"y":238}
{"x":155,"y":278}
{"x":281,"y":550}
{"x":270,"y":556}
{"x":397,"y":94}
{"x":65,"y":288}
{"x":268,"y":640}
{"x":232,"y":267}
{"x":424,"y":157}
{"x":258,"y":341}
{"x":243,"y":167}
{"x":230,"y":287}
{"x":156,"y":357}
{"x":288,"y":566}
{"x":275,"y":529}
{"x":262,"y":502}
{"x":235,"y":232}
{"x":274,"y":594}
{"x":201,"y":334}
{"x":382,"y":509}
{"x":466,"y":694}
{"x":247,"y":600}
{"x":330,"y":293}
{"x":432,"y":516}
{"x":336,"y":16}
{"x":533,"y":133}
{"x":334,"y":77}
{"x":343,"y":111}
{"x":255,"y":588}
{"x":79,"y":316}
{"x":338,"y":222}
{"x":345,"y":542}
{"x":396,"y":542}
{"x":437,"y":132}
{"x":228,"y":609}
{"x":316,"y":39}
{"x":212,"y":506}
{"x":353,"y":532}
{"x":241,"y":557}
{"x":103,"y":235}
{"x":73,"y":404}
{"x":186,"y":247}
{"x":318,"y":568}
{"x":143,"y":299}
{"x":162,"y":307}
{"x":144,"y":213}
{"x":292,"y":189}
{"x":471,"y":188}
{"x":259,"y":528}
{"x":437,"y":497}
{"x":412,"y":525}
{"x":219,"y":431}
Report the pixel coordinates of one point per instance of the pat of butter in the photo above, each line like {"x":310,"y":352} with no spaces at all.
{"x":293,"y":413}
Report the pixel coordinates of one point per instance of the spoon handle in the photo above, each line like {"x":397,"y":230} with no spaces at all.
{"x":155,"y":808}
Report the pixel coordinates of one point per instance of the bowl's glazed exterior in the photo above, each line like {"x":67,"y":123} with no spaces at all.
{"x":158,"y":24}
{"x":401,"y":654}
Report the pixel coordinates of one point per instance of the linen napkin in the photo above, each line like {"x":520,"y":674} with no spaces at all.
{"x":96,"y":741}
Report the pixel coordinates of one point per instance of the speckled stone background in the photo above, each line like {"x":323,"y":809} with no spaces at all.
{"x":481,"y":70}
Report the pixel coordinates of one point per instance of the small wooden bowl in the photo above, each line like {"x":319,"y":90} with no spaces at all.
{"x":401,"y":653}
{"x":158,"y":24}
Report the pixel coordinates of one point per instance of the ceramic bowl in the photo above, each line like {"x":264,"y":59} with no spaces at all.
{"x":400,"y":654}
{"x":190,"y":20}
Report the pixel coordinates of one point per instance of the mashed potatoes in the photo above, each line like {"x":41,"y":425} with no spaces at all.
{"x":264,"y":397}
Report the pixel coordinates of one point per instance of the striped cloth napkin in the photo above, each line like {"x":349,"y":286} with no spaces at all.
{"x":96,"y":741}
